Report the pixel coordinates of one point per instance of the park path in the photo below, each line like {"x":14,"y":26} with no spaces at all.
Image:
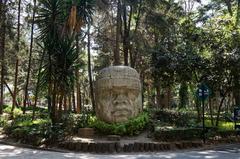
{"x":231,"y":151}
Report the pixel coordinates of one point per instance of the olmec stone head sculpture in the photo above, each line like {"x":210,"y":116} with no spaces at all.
{"x":118,"y":94}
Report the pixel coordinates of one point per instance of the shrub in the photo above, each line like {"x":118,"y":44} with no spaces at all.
{"x":72,"y":122}
{"x":27,"y":131}
{"x":54,"y":133}
{"x":132,"y":127}
{"x":227,"y":133}
{"x":177,"y":118}
{"x":176,"y":134}
{"x":220,"y":133}
{"x":16,"y":111}
{"x":3,"y":120}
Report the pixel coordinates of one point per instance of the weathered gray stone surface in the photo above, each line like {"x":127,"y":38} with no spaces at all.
{"x":118,"y":94}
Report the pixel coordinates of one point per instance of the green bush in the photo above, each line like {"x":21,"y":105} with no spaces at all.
{"x":72,"y":122}
{"x":177,"y":118}
{"x":132,"y":127}
{"x":3,"y":120}
{"x":69,"y":122}
{"x":227,"y":133}
{"x":27,"y":131}
{"x":54,"y":133}
{"x":16,"y":111}
{"x":220,"y":133}
{"x":176,"y":134}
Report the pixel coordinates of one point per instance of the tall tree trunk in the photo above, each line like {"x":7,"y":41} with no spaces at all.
{"x":15,"y":85}
{"x":126,"y":32}
{"x":37,"y":86}
{"x":10,"y":91}
{"x":17,"y":60}
{"x":236,"y":91}
{"x":149,"y":99}
{"x":61,"y":96}
{"x":143,"y":88}
{"x":2,"y":49}
{"x":90,"y":70}
{"x":158,"y":92}
{"x":70,"y":102}
{"x":65,"y":103}
{"x":118,"y":32}
{"x":30,"y":59}
{"x":198,"y":109}
{"x":53,"y":104}
{"x":77,"y":79}
{"x":131,"y":52}
{"x":220,"y":107}
{"x":73,"y":100}
{"x":183,"y":95}
{"x":169,"y":96}
{"x":211,"y":110}
{"x":79,"y":103}
{"x":50,"y":85}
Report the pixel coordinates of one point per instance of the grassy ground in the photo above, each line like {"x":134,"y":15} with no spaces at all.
{"x":223,"y":125}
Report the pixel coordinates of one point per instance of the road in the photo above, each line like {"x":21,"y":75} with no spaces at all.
{"x":221,"y":152}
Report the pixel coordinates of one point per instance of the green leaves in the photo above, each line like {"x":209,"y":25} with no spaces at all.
{"x":58,"y":40}
{"x":132,"y":127}
{"x":49,"y":19}
{"x":85,"y":10}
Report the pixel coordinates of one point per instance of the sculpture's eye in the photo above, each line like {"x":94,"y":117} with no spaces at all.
{"x":132,"y":93}
{"x":105,"y":94}
{"x":117,"y":94}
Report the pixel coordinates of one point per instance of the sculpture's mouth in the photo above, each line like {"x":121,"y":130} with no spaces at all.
{"x":121,"y":113}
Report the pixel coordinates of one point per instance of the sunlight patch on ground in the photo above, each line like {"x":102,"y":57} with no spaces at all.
{"x":82,"y":139}
{"x":206,"y":152}
{"x":214,"y":156}
{"x":4,"y":147}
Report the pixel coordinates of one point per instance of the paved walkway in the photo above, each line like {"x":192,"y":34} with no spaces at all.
{"x":220,"y":152}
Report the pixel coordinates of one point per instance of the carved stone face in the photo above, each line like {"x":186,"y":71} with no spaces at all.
{"x":118,"y":94}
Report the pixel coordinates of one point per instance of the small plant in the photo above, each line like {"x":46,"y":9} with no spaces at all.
{"x":15,"y":113}
{"x":85,"y":117}
{"x":132,"y":127}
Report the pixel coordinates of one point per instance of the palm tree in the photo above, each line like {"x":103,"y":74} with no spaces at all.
{"x":84,"y":13}
{"x":59,"y":22}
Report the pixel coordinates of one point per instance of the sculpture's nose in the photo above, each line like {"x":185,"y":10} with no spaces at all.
{"x":120,"y":99}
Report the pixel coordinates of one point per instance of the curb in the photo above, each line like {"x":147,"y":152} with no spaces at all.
{"x":116,"y":147}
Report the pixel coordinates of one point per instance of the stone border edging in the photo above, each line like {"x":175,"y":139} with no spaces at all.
{"x":106,"y":148}
{"x":116,"y":147}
